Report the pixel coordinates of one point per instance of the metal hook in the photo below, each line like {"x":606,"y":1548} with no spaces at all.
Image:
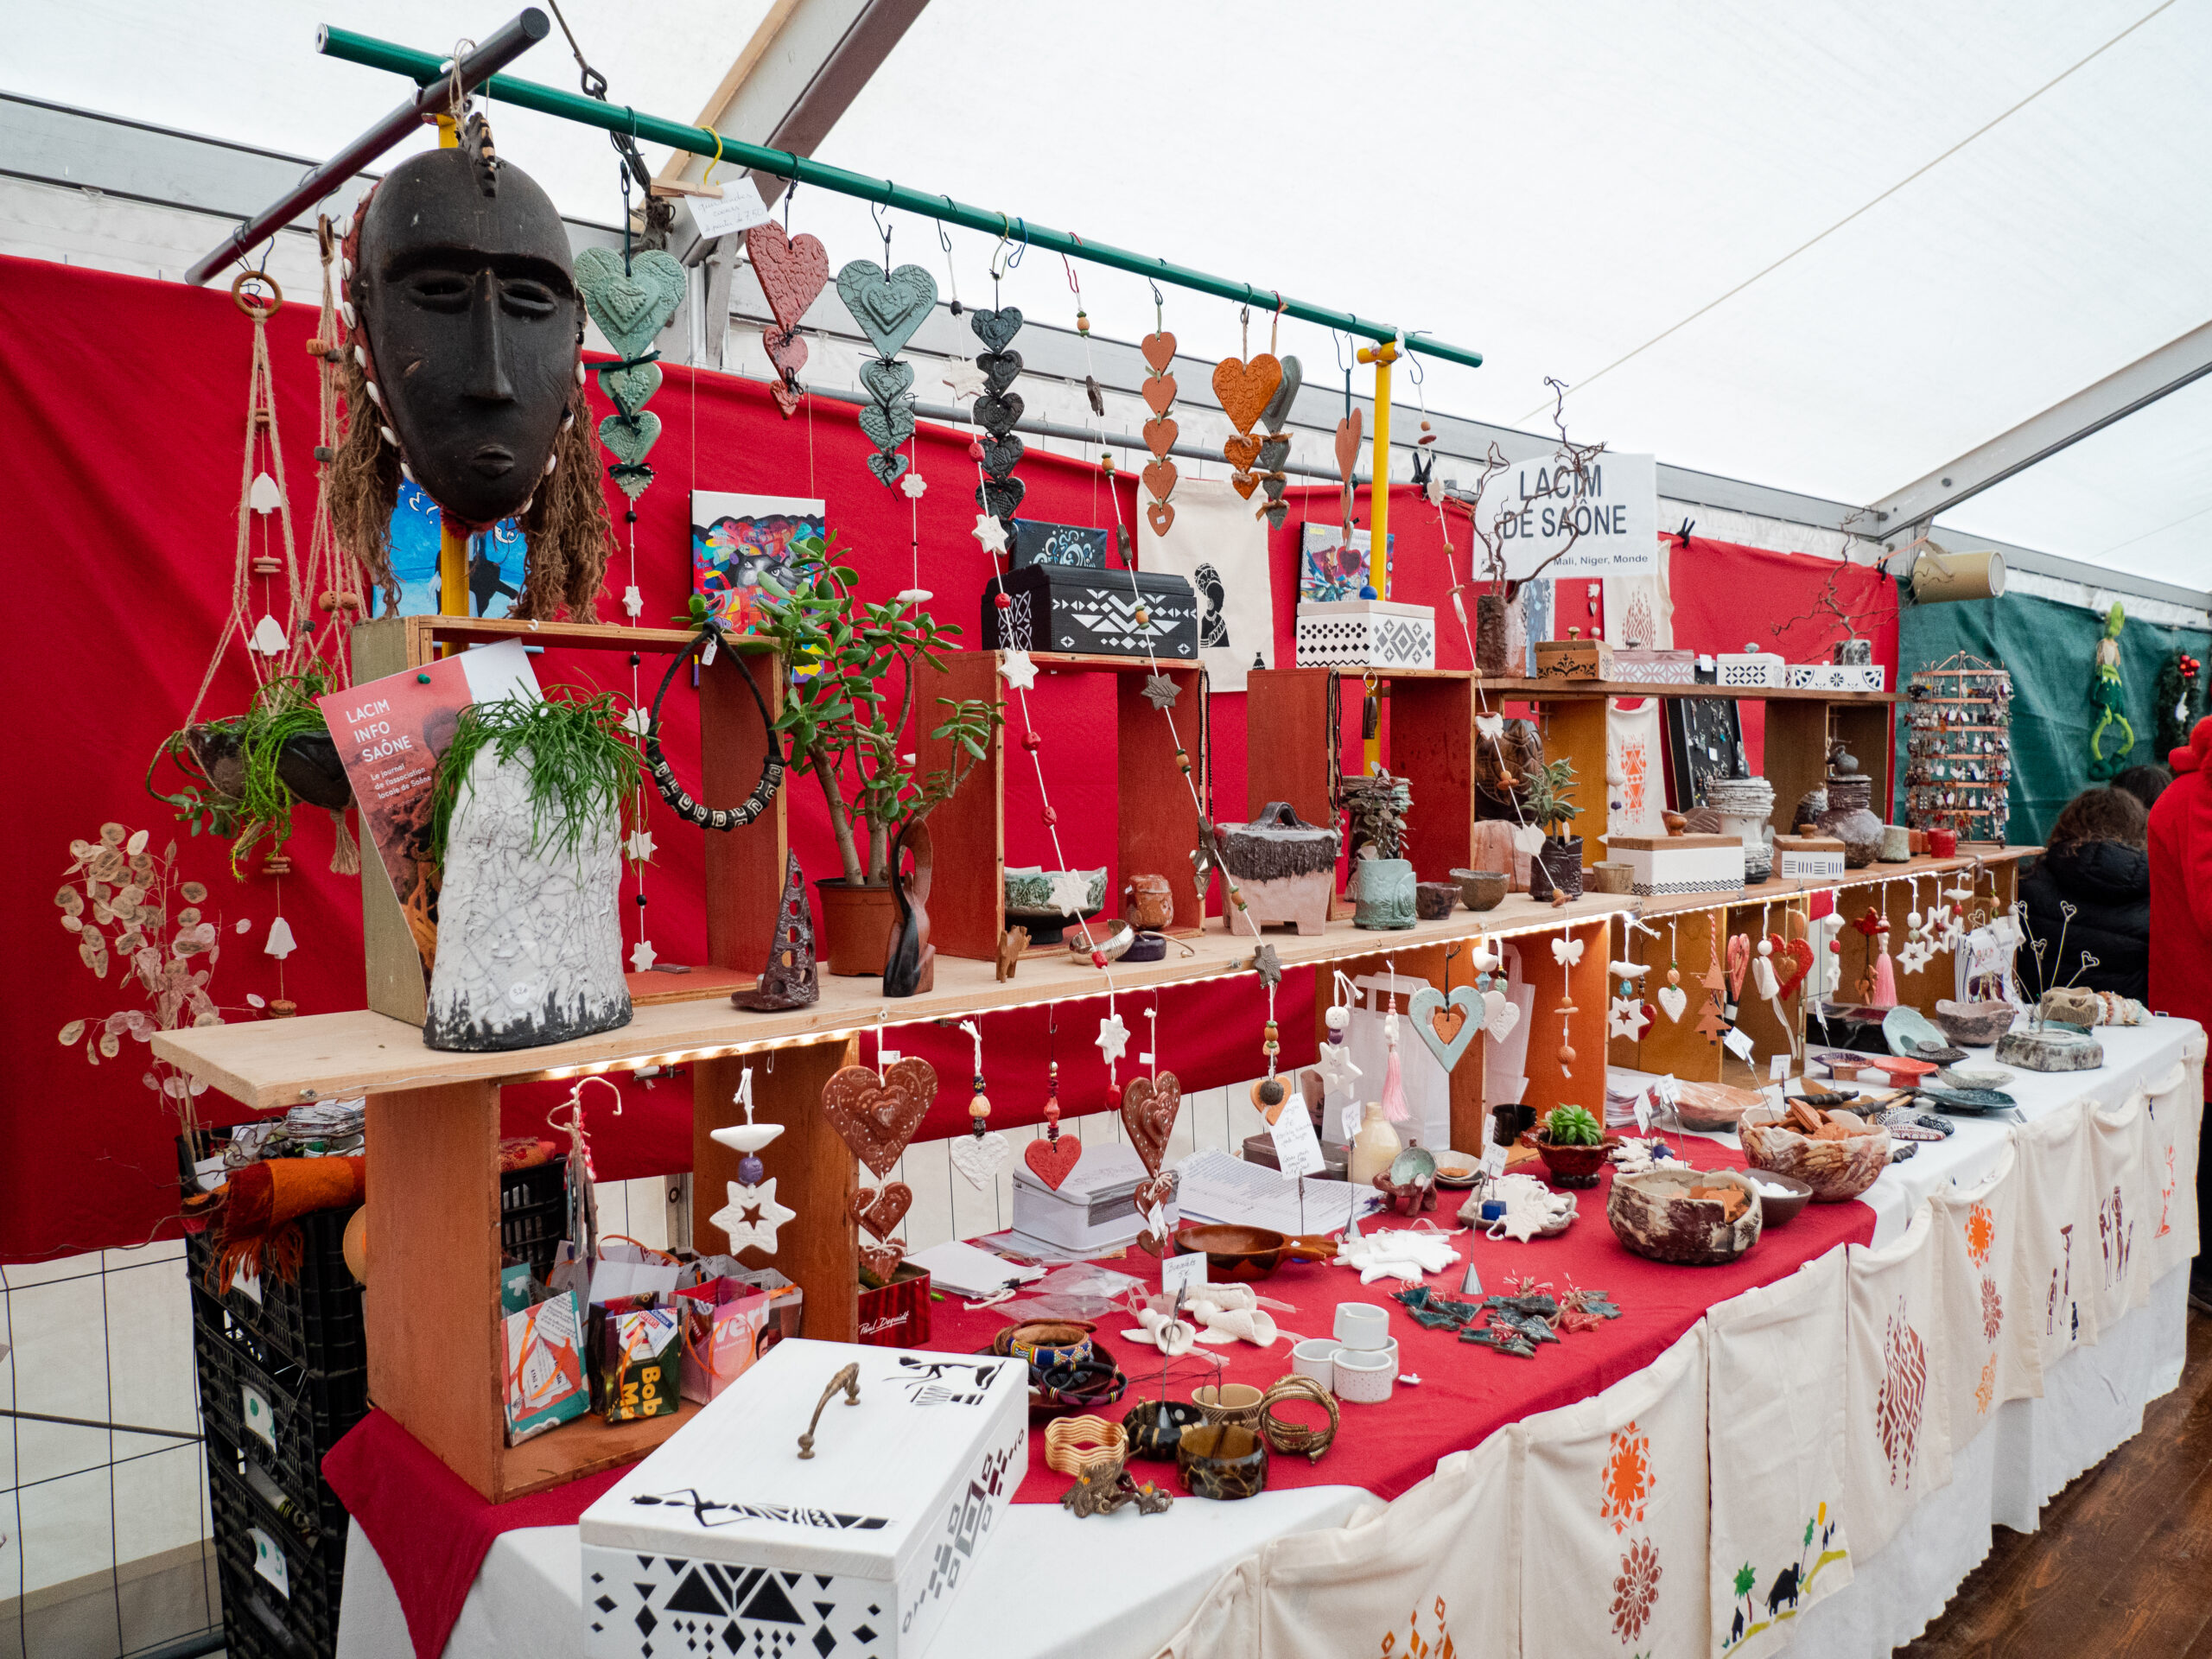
{"x":874,"y":212}
{"x":943,"y":240}
{"x":1014,"y":259}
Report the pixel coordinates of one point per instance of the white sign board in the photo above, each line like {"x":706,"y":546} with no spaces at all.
{"x":1536,"y":507}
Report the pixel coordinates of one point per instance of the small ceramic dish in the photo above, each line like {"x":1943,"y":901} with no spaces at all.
{"x":1364,"y":1376}
{"x":1458,"y":1169}
{"x":1970,"y":1101}
{"x":1973,"y":1077}
{"x":1229,"y":1402}
{"x":1223,"y":1461}
{"x":1907,"y":1031}
{"x":1777,"y":1209}
{"x":1974,"y":1024}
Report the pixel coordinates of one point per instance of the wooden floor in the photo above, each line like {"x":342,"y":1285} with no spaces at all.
{"x":2122,"y":1565}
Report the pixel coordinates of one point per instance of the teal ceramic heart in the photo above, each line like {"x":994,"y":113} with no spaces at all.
{"x":996,"y":329}
{"x":887,"y":428}
{"x":887,"y":466}
{"x":886,"y":378}
{"x":630,"y":308}
{"x":630,"y":438}
{"x":887,"y":307}
{"x":631,"y":388}
{"x":1426,"y":1003}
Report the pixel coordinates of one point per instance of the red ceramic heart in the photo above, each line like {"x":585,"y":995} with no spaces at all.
{"x":786,"y":351}
{"x":1159,"y":351}
{"x":883,"y":1260}
{"x":877,"y":1118}
{"x":1739,"y":961}
{"x":1160,"y":436}
{"x":1244,"y":388}
{"x":1159,"y":392}
{"x":786,"y":399}
{"x":1052,"y":1161}
{"x":881,"y":1212}
{"x":1160,"y":478}
{"x":1794,"y":954}
{"x":792,"y":269}
{"x":1148,"y":1110}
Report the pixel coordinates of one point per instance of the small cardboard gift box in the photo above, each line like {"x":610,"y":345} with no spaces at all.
{"x":1094,"y":612}
{"x":1365,"y":633}
{"x":727,"y":1541}
{"x":728,"y":1324}
{"x":1665,"y":865}
{"x":1573,"y":659}
{"x":1807,"y":858}
{"x":896,"y":1313}
{"x":1655,"y":668}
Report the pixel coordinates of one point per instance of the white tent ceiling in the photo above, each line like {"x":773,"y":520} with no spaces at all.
{"x":2003,"y":202}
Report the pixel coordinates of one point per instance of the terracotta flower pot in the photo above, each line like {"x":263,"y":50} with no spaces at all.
{"x":1557,"y":865}
{"x":856,"y":924}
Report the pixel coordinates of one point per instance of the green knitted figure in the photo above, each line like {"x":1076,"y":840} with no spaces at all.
{"x":2109,"y":697}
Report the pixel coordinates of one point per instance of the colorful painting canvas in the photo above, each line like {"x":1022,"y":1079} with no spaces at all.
{"x":1330,"y":569}
{"x":737,"y":539}
{"x":495,"y":569}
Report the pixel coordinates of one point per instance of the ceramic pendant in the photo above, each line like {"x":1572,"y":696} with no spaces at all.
{"x":1447,"y":1025}
{"x":1500,"y":1013}
{"x":880,"y":1212}
{"x":1050,"y":1159}
{"x":883,"y":1260}
{"x":752,"y":1216}
{"x":631,"y":307}
{"x":1739,"y":959}
{"x":978,"y":1157}
{"x":1674,"y":1001}
{"x":888,"y":305}
{"x":1350,"y":432}
{"x":793,"y":271}
{"x":1159,"y":432}
{"x":1149,"y":1106}
{"x":1245,"y":388}
{"x":1625,"y":1017}
{"x":876,"y":1117}
{"x":1793,"y":961}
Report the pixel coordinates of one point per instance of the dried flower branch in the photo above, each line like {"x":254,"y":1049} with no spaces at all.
{"x":1571,"y":473}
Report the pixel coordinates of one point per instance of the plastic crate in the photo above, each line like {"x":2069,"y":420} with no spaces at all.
{"x":534,"y":1214}
{"x":279,"y":1601}
{"x":313,"y":1520}
{"x":284,"y":1417}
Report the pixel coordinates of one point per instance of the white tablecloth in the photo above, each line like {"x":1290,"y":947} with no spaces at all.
{"x":1121,"y":1585}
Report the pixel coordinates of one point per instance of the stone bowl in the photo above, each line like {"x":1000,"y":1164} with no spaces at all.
{"x":1652,"y":1213}
{"x":1835,"y":1170}
{"x":1974,"y":1024}
{"x":1482,"y":889}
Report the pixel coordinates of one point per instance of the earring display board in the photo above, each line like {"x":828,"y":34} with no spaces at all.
{"x":1705,"y":740}
{"x":1958,"y":760}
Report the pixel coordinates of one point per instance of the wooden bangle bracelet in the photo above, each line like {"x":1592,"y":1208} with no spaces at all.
{"x":1084,"y":1445}
{"x":1290,"y":1438}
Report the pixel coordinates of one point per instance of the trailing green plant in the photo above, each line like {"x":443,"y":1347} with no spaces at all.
{"x":1375,"y":806}
{"x":232,"y":782}
{"x":1571,"y":1126}
{"x":1547,"y":787}
{"x":583,"y":763}
{"x":849,"y":714}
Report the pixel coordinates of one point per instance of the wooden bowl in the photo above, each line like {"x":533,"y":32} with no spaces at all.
{"x":1835,"y":1170}
{"x":1779,"y":1211}
{"x":1653,"y":1214}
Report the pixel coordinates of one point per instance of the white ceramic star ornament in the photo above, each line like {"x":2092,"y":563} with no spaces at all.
{"x":1624,"y":1018}
{"x":989,"y":533}
{"x":1019,"y":672}
{"x":641,"y":956}
{"x":1113,"y":1039}
{"x":1070,"y":894}
{"x":752,"y":1216}
{"x":639,"y":845}
{"x":964,"y":379}
{"x":633,"y":602}
{"x":1334,"y":1064}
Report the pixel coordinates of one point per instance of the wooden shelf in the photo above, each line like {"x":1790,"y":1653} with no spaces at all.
{"x":423,"y":632}
{"x":1519,"y":691}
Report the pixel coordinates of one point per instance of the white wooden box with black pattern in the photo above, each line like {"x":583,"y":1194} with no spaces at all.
{"x":1365,"y":633}
{"x":1092,"y":613}
{"x":1668,"y":867}
{"x":726,"y":1544}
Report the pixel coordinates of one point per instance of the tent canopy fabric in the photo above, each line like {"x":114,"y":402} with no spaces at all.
{"x":1827,"y":247}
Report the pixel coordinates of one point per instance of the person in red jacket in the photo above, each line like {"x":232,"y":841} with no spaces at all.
{"x":2180,"y":937}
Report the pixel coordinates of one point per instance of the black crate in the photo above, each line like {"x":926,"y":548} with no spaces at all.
{"x":260,"y":1621}
{"x":307,"y":1411}
{"x":315,"y":1520}
{"x":534,"y":1214}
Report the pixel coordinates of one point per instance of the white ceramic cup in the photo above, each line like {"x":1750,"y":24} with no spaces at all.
{"x":1316,"y":1358}
{"x":1365,"y":1376}
{"x":1363,"y":1324}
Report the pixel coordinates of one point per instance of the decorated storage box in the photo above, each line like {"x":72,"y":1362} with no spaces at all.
{"x":1647,"y":667}
{"x":1665,"y":865}
{"x":726,"y":1541}
{"x":1748,"y":669}
{"x":896,"y":1314}
{"x":1365,"y":633}
{"x":1093,"y":1209}
{"x":1095,"y":613}
{"x":1836,"y":676}
{"x":1807,"y":858}
{"x":1573,"y":659}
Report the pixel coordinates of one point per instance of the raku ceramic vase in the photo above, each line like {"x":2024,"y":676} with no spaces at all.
{"x":1383,"y":892}
{"x":1557,"y":867}
{"x":530,"y":934}
{"x":1850,"y":819}
{"x":1490,"y":651}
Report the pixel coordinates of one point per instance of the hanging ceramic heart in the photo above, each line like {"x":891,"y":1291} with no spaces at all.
{"x":1349,"y":433}
{"x":629,"y":389}
{"x":1154,"y":1193}
{"x":876,"y":1117}
{"x":631,"y":308}
{"x":888,"y":305}
{"x":883,"y":1260}
{"x":1673,"y":1000}
{"x":1739,"y":958}
{"x":1274,"y":486}
{"x":886,"y":378}
{"x":1500,"y":1014}
{"x":881,"y":1212}
{"x":1159,"y":516}
{"x":630,"y":437}
{"x":787,"y":352}
{"x":1002,"y":455}
{"x":1277,"y":509}
{"x":1052,"y":1161}
{"x":887,"y":428}
{"x":1160,"y":436}
{"x":997,"y":414}
{"x":1001,"y":497}
{"x":978,"y":1157}
{"x":1159,"y":392}
{"x":999,"y":369}
{"x":1272,"y":454}
{"x":1159,"y":351}
{"x":1148,"y":1110}
{"x":1244,"y":483}
{"x":1278,"y":410}
{"x":786,"y":399}
{"x":996,"y":329}
{"x":1241,"y":452}
{"x":1447,"y":1025}
{"x":1245,"y":387}
{"x":1160,"y":478}
{"x":888,"y":465}
{"x":792,"y":270}
{"x":1793,"y":960}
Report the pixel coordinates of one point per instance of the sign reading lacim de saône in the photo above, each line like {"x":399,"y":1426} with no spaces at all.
{"x":1611,"y":515}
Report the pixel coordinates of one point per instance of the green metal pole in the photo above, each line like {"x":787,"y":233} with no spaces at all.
{"x":423,"y":68}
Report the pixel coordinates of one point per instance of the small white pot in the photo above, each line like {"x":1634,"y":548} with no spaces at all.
{"x":1365,"y":1375}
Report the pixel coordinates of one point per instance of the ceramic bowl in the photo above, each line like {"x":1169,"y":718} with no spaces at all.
{"x":1029,"y":893}
{"x":1973,"y":1077}
{"x":1777,"y":1210}
{"x":1576,"y":1165}
{"x":1316,"y":1358}
{"x":1835,"y":1170}
{"x":1434,"y":900}
{"x":1713,"y":1106}
{"x":1974,"y":1024}
{"x":1364,"y":1376}
{"x":1222,"y":1460}
{"x":1653,"y":1214}
{"x":1156,"y":1425}
{"x":1482,"y":889}
{"x":1229,"y":1402}
{"x":1362,"y":1325}
{"x":1458,"y":1169}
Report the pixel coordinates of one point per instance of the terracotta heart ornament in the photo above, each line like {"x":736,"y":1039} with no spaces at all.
{"x":1739,"y":960}
{"x":1159,"y":351}
{"x":877,"y":1118}
{"x":1245,"y":388}
{"x":1241,"y":452}
{"x":1160,"y":435}
{"x":1052,"y":1159}
{"x":881,"y":1212}
{"x":1160,"y":478}
{"x":1149,"y":1109}
{"x":1159,"y":392}
{"x":1796,"y":956}
{"x":1349,"y":431}
{"x":792,"y":270}
{"x":1159,"y":516}
{"x":883,"y":1260}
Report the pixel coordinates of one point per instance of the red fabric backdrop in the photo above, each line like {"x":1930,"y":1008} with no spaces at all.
{"x":121,"y":409}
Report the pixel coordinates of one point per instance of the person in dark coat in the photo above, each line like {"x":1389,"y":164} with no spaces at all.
{"x":2098,"y":862}
{"x":2145,"y":783}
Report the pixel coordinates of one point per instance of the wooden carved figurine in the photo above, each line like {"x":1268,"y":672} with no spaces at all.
{"x":909,"y":964}
{"x":1012,"y":944}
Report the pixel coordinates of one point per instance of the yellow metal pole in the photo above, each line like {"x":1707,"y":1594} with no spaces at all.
{"x":453,"y":549}
{"x":1378,"y":500}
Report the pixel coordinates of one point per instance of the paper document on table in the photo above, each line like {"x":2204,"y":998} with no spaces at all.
{"x":1214,"y":1186}
{"x":964,"y":1270}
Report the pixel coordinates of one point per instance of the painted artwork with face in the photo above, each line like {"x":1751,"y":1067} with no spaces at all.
{"x":462,"y":373}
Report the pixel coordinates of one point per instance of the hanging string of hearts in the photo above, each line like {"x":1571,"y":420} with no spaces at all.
{"x":1158,"y":348}
{"x":998,"y":494}
{"x":888,"y":305}
{"x":1246,"y":388}
{"x":793,"y":271}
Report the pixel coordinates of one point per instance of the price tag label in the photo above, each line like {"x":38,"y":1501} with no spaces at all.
{"x":1297,"y":1149}
{"x":1494,"y":1158}
{"x":1351,"y":1120}
{"x":1643,"y":1113}
{"x":1778,"y":1068}
{"x":1182,"y":1272}
{"x":1739,"y":1045}
{"x":1667,"y":1090}
{"x":738,"y":208}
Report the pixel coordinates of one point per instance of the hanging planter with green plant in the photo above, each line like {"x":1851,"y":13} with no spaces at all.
{"x":243,"y":774}
{"x":529,"y":806}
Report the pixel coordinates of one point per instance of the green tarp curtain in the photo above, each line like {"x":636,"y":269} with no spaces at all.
{"x":2050,"y":649}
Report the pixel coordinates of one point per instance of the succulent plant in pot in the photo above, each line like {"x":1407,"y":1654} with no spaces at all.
{"x":244,"y":773}
{"x":851,"y":720}
{"x":1572,"y":1145}
{"x":1380,"y":879}
{"x":1557,"y":866}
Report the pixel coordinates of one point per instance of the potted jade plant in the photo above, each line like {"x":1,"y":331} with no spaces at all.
{"x":529,"y":803}
{"x":1557,"y":866}
{"x":243,"y":774}
{"x":850,"y":721}
{"x":1382,"y":881}
{"x":1573,"y":1146}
